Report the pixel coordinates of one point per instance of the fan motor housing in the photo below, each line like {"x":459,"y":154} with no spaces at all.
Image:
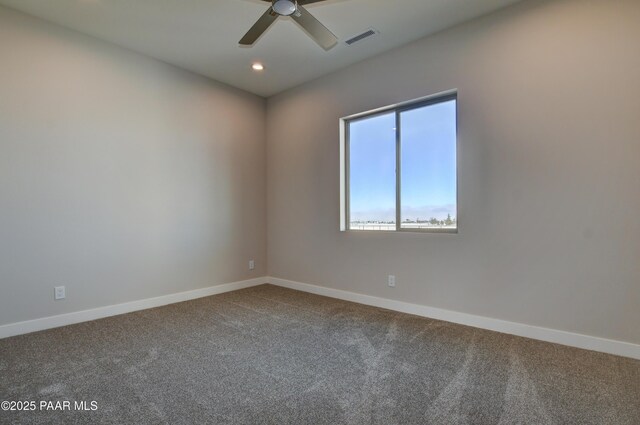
{"x":284,"y":7}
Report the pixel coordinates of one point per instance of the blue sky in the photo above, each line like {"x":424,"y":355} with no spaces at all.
{"x":428,"y":164}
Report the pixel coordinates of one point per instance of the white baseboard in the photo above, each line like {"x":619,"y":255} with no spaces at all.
{"x":587,"y":342}
{"x":43,"y":323}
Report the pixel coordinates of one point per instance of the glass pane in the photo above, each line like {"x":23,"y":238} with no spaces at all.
{"x":372,"y":173}
{"x":428,"y":155}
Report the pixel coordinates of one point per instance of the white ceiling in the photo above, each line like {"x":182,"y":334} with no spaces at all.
{"x":202,"y":35}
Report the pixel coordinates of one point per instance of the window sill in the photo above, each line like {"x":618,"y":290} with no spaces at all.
{"x":424,"y":231}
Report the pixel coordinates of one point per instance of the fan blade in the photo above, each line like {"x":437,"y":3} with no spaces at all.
{"x":259,"y":28}
{"x":305,"y":2}
{"x":316,"y":30}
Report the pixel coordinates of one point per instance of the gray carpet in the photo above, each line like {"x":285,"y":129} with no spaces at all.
{"x":269,"y":355}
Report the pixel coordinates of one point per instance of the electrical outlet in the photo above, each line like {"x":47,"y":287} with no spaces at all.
{"x":59,"y":292}
{"x":392,"y":281}
{"x":252,"y":264}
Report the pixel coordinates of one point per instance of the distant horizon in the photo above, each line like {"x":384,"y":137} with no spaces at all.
{"x":439,"y":212}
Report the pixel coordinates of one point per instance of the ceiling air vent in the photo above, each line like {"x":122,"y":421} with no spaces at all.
{"x":368,"y":33}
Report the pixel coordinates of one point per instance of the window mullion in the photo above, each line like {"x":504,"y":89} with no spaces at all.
{"x":398,"y":171}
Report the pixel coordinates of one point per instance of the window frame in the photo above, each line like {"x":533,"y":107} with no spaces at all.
{"x":398,"y":109}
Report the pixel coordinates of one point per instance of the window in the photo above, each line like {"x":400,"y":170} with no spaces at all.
{"x":399,"y":168}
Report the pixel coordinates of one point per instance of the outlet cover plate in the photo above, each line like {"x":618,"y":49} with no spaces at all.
{"x":59,"y":292}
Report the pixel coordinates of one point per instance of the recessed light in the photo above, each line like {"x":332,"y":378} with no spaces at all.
{"x":257,"y":66}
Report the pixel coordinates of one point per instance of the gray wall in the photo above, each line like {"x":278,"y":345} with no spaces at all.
{"x":549,"y":110}
{"x":121,"y":177}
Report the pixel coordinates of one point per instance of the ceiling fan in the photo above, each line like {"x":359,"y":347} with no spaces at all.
{"x":293,"y":8}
